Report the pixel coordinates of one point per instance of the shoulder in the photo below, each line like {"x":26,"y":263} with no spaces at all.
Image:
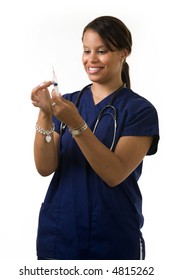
{"x":139,"y":118}
{"x":131,"y":104}
{"x":136,"y":107}
{"x":137,"y":101}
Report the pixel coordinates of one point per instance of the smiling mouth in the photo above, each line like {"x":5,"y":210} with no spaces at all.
{"x":93,"y":70}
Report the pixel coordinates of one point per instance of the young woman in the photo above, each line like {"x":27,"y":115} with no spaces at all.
{"x":94,"y":142}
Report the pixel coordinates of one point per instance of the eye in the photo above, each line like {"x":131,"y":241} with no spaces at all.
{"x":102,"y":51}
{"x":85,"y":51}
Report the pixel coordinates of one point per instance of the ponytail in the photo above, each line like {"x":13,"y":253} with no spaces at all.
{"x":125,"y":74}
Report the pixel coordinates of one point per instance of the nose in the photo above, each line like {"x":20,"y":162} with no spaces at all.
{"x":93,"y":57}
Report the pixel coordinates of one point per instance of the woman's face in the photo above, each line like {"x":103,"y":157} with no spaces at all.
{"x":101,"y":64}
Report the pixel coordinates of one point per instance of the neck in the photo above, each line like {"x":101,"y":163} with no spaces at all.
{"x":100,"y":91}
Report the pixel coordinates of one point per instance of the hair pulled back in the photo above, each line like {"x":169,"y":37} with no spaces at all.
{"x":114,"y":34}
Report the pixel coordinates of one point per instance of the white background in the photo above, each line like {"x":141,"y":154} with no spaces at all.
{"x":38,"y":34}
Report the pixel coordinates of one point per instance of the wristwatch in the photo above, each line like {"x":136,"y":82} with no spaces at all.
{"x":78,"y":131}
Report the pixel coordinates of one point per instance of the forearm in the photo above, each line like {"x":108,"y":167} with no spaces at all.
{"x":45,"y":153}
{"x":113,"y":167}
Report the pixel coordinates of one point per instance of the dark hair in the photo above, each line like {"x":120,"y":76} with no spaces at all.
{"x":114,"y":33}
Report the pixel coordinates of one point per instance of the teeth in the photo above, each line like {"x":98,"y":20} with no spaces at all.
{"x":93,"y":68}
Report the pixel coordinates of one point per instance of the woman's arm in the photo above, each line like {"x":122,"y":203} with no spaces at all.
{"x":45,"y":153}
{"x":112,"y":167}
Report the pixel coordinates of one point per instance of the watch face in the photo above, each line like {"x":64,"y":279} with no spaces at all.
{"x":75,"y":132}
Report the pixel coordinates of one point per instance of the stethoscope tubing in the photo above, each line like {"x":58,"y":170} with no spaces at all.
{"x":101,"y":114}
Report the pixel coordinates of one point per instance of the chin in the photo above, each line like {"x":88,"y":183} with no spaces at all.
{"x":94,"y":79}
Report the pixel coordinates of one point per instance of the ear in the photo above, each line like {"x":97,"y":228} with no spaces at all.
{"x":124,"y":54}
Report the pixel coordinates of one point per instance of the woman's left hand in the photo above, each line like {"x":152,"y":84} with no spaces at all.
{"x":65,"y":111}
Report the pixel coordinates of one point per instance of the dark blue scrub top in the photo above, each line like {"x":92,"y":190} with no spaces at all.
{"x":82,"y":217}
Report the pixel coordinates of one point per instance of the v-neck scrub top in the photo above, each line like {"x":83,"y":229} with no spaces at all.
{"x":82,"y":217}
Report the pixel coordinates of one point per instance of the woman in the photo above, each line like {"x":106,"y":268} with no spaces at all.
{"x":93,"y":207}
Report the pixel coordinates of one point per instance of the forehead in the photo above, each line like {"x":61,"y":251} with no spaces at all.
{"x":92,"y":39}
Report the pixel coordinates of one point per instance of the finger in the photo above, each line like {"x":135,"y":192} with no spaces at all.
{"x":53,"y":104}
{"x":35,"y":93}
{"x":41,"y":86}
{"x":54,"y":94}
{"x":55,"y":97}
{"x":45,"y":84}
{"x":34,"y":97}
{"x":35,"y":103}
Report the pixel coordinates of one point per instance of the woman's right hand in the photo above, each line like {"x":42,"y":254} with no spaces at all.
{"x":40,"y":97}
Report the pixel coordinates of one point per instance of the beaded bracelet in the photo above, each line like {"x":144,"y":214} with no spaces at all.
{"x":47,"y":133}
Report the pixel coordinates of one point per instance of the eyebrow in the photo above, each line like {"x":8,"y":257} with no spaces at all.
{"x":101,"y":46}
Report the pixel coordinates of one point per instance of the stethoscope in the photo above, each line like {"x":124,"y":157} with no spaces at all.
{"x":112,"y":112}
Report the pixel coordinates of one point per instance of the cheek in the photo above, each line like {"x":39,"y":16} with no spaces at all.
{"x":106,"y":60}
{"x":114,"y":63}
{"x":84,"y":61}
